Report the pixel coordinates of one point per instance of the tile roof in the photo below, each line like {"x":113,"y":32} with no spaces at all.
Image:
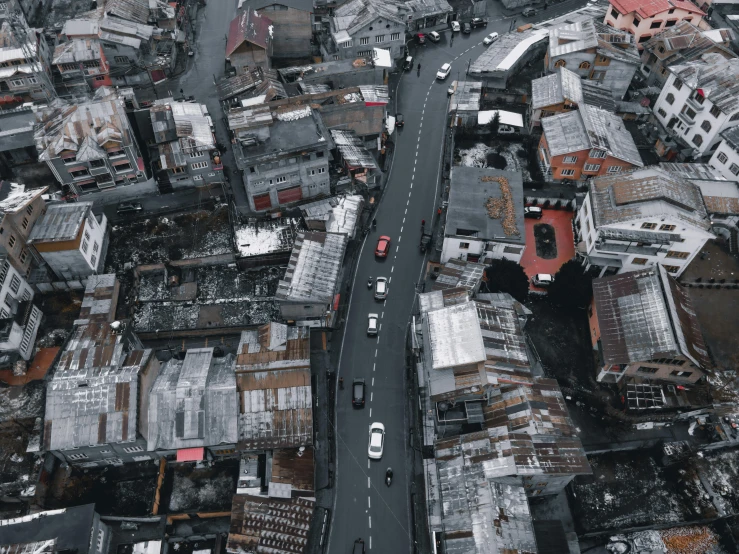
{"x":61,"y":222}
{"x":650,"y":8}
{"x":716,"y":76}
{"x":645,"y":314}
{"x":590,"y":127}
{"x":249,"y":26}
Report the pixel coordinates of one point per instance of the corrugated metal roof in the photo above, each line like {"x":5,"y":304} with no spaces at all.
{"x":292,"y":350}
{"x":561,"y":86}
{"x":77,"y":50}
{"x":455,"y":337}
{"x":591,"y":34}
{"x":352,"y":149}
{"x":459,"y":274}
{"x":293,"y":467}
{"x":716,"y":76}
{"x":130,"y":10}
{"x":249,"y":26}
{"x":354,"y":15}
{"x":61,"y":222}
{"x":338,"y":214}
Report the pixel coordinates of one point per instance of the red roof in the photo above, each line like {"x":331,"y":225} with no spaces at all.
{"x":190,"y":454}
{"x":650,"y":8}
{"x":248,"y":26}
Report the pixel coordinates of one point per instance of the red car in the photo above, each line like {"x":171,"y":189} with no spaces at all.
{"x":383,"y":247}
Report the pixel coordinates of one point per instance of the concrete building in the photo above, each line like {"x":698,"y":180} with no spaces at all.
{"x":284,"y":155}
{"x":645,"y":326}
{"x":585,"y":143}
{"x":595,"y":52}
{"x":725,"y":159}
{"x":250,"y":42}
{"x":14,"y":289}
{"x":642,"y":218}
{"x":428,"y":15}
{"x":19,"y":211}
{"x":358,"y":26}
{"x":292,"y":22}
{"x":700,"y":100}
{"x":678,"y":44}
{"x":335,"y":74}
{"x":465,"y":10}
{"x":484,"y":219}
{"x":82,"y":65}
{"x":17,"y":146}
{"x":90,"y":147}
{"x":647,"y":19}
{"x":18,"y":333}
{"x":308,"y":291}
{"x":24,"y":68}
{"x":97,"y":399}
{"x":71,"y":240}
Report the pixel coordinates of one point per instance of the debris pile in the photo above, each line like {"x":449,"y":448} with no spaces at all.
{"x":502,"y":207}
{"x":689,"y":540}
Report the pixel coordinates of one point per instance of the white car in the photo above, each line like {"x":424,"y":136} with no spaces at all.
{"x":443,"y":73}
{"x":455,"y":27}
{"x":372,"y":325}
{"x":542,"y":279}
{"x":376,"y":441}
{"x":490,"y":39}
{"x":381,"y":288}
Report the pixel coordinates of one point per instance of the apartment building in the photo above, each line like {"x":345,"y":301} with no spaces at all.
{"x":82,"y":63}
{"x":14,"y":289}
{"x":23,"y":67}
{"x":725,"y":159}
{"x":19,"y":211}
{"x":647,"y":19}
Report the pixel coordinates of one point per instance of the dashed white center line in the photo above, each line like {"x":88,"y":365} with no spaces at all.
{"x":401,"y":229}
{"x":373,"y":366}
{"x":397,"y":248}
{"x":368,"y":467}
{"x":369,"y":502}
{"x":391,"y":269}
{"x":404,"y":218}
{"x":371,"y":395}
{"x":370,"y":542}
{"x":400,"y":237}
{"x":380,"y":329}
{"x":370,"y":412}
{"x":378,"y":340}
{"x":370,"y":522}
{"x":382,"y":315}
{"x":373,"y":384}
{"x":375,"y":355}
{"x":369,"y":485}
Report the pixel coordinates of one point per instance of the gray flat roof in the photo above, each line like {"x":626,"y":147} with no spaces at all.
{"x":61,"y":222}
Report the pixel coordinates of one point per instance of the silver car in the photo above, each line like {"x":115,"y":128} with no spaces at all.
{"x":381,"y":288}
{"x":372,"y":320}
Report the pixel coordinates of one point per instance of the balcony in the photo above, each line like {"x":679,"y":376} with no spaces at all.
{"x":627,"y":248}
{"x":689,"y":121}
{"x":693,"y":103}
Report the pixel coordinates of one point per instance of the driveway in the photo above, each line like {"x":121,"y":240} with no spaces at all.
{"x":555,"y":226}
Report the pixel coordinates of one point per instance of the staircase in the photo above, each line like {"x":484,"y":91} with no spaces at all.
{"x":163,"y":183}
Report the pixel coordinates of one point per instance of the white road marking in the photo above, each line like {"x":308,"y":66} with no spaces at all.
{"x":378,"y":340}
{"x":406,"y":211}
{"x":401,"y":229}
{"x":371,"y":395}
{"x":408,"y":202}
{"x":370,"y":522}
{"x":369,"y":502}
{"x":400,"y":237}
{"x":404,"y":218}
{"x":370,"y":412}
{"x":383,"y":315}
{"x":375,"y":352}
{"x":397,"y":248}
{"x":368,"y":467}
{"x":370,"y":542}
{"x":368,"y":479}
{"x":373,"y":366}
{"x":391,"y":269}
{"x":373,"y":384}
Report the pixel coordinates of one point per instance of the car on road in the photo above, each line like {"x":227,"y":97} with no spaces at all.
{"x":129,"y":207}
{"x":358,"y":393}
{"x":383,"y":246}
{"x":421,"y":38}
{"x":478,"y":22}
{"x":534,"y":212}
{"x":455,"y":27}
{"x":466,"y":28}
{"x":381,"y":288}
{"x":358,"y":547}
{"x":452,"y":88}
{"x":434,"y":36}
{"x":399,"y":120}
{"x":372,"y":320}
{"x":408,"y":63}
{"x":376,"y":441}
{"x":529,"y":12}
{"x":490,"y":39}
{"x":542,"y":280}
{"x":443,"y":73}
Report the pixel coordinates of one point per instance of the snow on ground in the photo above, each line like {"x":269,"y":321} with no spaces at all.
{"x":253,"y":239}
{"x":513,"y":153}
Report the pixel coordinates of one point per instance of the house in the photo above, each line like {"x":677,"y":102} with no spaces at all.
{"x":484,"y":219}
{"x":71,"y":240}
{"x":338,"y":215}
{"x":97,"y":398}
{"x":283,"y":154}
{"x":426,"y":15}
{"x":585,"y":143}
{"x":18,"y":333}
{"x":646,"y":327}
{"x":336,"y":74}
{"x":358,"y":26}
{"x":89,"y":146}
{"x":642,"y":218}
{"x":264,"y":242}
{"x":25,"y":75}
{"x":595,"y":52}
{"x":273,"y":379}
{"x":563,"y":91}
{"x":82,"y":63}
{"x":250,"y":42}
{"x":19,"y":211}
{"x":17,"y":146}
{"x":308,"y":292}
{"x":74,"y":529}
{"x":459,"y":274}
{"x":725,"y":158}
{"x":647,"y":19}
{"x":700,"y":100}
{"x":465,"y":10}
{"x":464,"y":103}
{"x":355,"y":157}
{"x":186,"y":154}
{"x":292,"y":21}
{"x":14,"y":288}
{"x":678,"y":44}
{"x":193,"y":406}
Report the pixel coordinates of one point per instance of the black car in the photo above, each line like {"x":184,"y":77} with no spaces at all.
{"x":358,"y":547}
{"x":399,"y":120}
{"x":466,"y":29}
{"x":529,"y":12}
{"x":478,"y":22}
{"x":129,"y":207}
{"x":533,"y":212}
{"x":358,"y":393}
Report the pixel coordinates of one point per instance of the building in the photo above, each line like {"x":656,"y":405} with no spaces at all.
{"x":25,"y":73}
{"x":700,"y":100}
{"x":642,"y":218}
{"x":336,"y":74}
{"x":464,"y":103}
{"x":273,"y":379}
{"x":338,"y":215}
{"x":250,"y":41}
{"x":18,"y":333}
{"x":14,"y":289}
{"x":17,"y":146}
{"x":308,"y":292}
{"x":76,"y":529}
{"x":725,"y":159}
{"x":186,"y":154}
{"x":465,"y":10}
{"x":504,"y":58}
{"x":193,"y":406}
{"x":585,"y":143}
{"x":96,"y":399}
{"x":71,"y":240}
{"x":19,"y":211}
{"x":459,"y":274}
{"x":428,"y":15}
{"x":82,"y":65}
{"x":292,"y":22}
{"x":678,"y":44}
{"x":355,"y":157}
{"x":358,"y":26}
{"x":484,"y":219}
{"x":89,"y":146}
{"x":647,"y":19}
{"x":284,"y":154}
{"x":563,"y":91}
{"x":595,"y":52}
{"x":646,"y":327}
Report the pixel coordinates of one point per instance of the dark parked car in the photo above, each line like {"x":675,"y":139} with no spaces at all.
{"x":478,"y":22}
{"x":399,"y":120}
{"x":533,"y":212}
{"x":358,"y":393}
{"x":466,"y":29}
{"x":129,"y":207}
{"x":358,"y":547}
{"x":408,"y":63}
{"x":529,"y":12}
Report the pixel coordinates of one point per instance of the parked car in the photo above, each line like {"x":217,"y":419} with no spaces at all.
{"x":533,"y":212}
{"x":434,"y":36}
{"x":452,"y":88}
{"x":408,"y":63}
{"x":529,"y":12}
{"x":455,"y":27}
{"x":383,"y":246}
{"x":443,"y":73}
{"x":466,"y":28}
{"x":399,"y":120}
{"x":421,"y":38}
{"x":372,"y":320}
{"x":381,"y":288}
{"x":129,"y":207}
{"x":358,"y":388}
{"x":376,"y":441}
{"x":478,"y":22}
{"x":542,"y":280}
{"x":490,"y":39}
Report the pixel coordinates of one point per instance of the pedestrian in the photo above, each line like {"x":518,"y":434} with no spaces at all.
{"x":438,"y":212}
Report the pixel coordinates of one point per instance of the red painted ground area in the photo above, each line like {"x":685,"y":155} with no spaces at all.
{"x":561,"y":220}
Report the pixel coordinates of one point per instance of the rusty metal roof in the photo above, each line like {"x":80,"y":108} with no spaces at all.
{"x":291,"y":466}
{"x":459,"y":274}
{"x":273,"y":346}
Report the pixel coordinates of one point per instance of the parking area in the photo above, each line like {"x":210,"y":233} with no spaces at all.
{"x":549,"y":243}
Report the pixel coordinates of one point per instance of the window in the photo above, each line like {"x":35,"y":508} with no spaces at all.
{"x":567,"y":172}
{"x":614,"y":13}
{"x":8,"y":299}
{"x":79,"y":456}
{"x":644,"y":38}
{"x":93,"y":260}
{"x":678,"y":84}
{"x":648,"y":225}
{"x":614,"y":169}
{"x":97,"y":163}
{"x":395,"y":36}
{"x":570,"y":159}
{"x":82,"y":172}
{"x":15,"y":284}
{"x":722,"y":157}
{"x":364,"y":41}
{"x":698,"y":97}
{"x":24,"y":224}
{"x":200,"y":154}
{"x":380,"y":38}
{"x":643,"y":369}
{"x":100,"y":78}
{"x":132,"y":449}
{"x":671,"y":11}
{"x":364,"y":53}
{"x":697,"y":140}
{"x":734,"y":117}
{"x":87,"y":235}
{"x":636,"y":21}
{"x":121,"y":59}
{"x":280,"y":180}
{"x":120,"y":168}
{"x":670,"y":98}
{"x":683,"y":374}
{"x":734,"y":169}
{"x":715,"y":112}
{"x":706,"y":126}
{"x":671,"y":23}
{"x":199,"y":165}
{"x":101,"y":540}
{"x":347,"y":44}
{"x":4,"y":314}
{"x":661,"y":49}
{"x":29,"y":209}
{"x":662,"y":112}
{"x":560,"y":63}
{"x":197,"y":178}
{"x":17,"y":82}
{"x":666,"y":227}
{"x":26,"y":295}
{"x":584,"y":65}
{"x":676,"y":254}
{"x":85,"y":246}
{"x":597,"y":75}
{"x":32,"y":80}
{"x":671,"y":268}
{"x":639,"y":261}
{"x":598,"y":154}
{"x":24,"y":256}
{"x":591,"y":167}
{"x":655,"y":25}
{"x":464,"y":245}
{"x":117,"y":152}
{"x":95,"y":247}
{"x":11,"y":241}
